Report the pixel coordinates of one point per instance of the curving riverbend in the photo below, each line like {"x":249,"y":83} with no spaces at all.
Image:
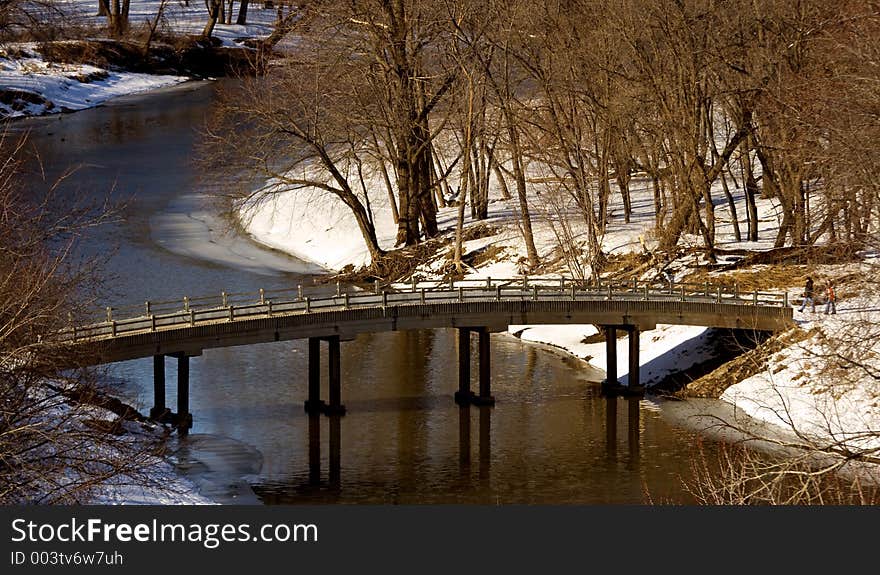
{"x":550,"y":438}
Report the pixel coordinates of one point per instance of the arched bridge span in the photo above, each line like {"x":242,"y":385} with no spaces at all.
{"x":184,"y":328}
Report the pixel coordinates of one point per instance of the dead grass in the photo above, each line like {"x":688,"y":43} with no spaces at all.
{"x":762,"y":278}
{"x":185,"y":56}
{"x":395,"y":265}
{"x":626,"y":265}
{"x":776,"y":277}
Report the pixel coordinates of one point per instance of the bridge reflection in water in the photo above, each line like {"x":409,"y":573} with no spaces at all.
{"x":333,"y":482}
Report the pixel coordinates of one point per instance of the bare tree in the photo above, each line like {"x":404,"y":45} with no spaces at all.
{"x":55,"y":446}
{"x":242,"y":12}
{"x":117,"y":15}
{"x":297,"y":138}
{"x":215,"y":8}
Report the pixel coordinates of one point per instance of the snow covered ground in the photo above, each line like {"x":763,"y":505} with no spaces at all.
{"x":177,"y":18}
{"x":31,"y":86}
{"x":35,"y":87}
{"x":143,"y":477}
{"x":315,"y":226}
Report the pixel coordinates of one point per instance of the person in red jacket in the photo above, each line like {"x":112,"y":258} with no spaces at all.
{"x":830,"y":299}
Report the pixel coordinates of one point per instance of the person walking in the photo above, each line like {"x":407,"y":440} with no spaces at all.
{"x":808,"y":295}
{"x":830,"y":299}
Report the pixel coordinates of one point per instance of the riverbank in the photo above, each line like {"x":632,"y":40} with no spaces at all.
{"x":30,"y":85}
{"x":793,"y":390}
{"x":62,"y":76}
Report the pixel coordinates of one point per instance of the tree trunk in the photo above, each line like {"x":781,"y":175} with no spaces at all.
{"x":622,"y":165}
{"x":604,"y":185}
{"x":520,"y":180}
{"x":242,"y":13}
{"x":750,"y":185}
{"x":392,"y":203}
{"x":658,"y":203}
{"x":502,"y":183}
{"x":465,"y":174}
{"x":439,"y":184}
{"x":153,"y":26}
{"x":425,"y":163}
{"x":731,"y":202}
{"x":481,"y":201}
{"x":213,"y":15}
{"x":362,"y":216}
{"x":710,"y":213}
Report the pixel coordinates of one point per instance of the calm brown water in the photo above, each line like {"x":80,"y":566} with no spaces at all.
{"x":550,"y":439}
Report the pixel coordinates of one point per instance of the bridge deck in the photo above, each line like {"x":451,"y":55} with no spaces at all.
{"x":241,"y":319}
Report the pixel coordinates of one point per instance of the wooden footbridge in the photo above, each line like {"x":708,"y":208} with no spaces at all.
{"x":184,"y":328}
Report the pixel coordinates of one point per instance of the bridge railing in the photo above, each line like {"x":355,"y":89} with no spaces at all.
{"x":153,"y":316}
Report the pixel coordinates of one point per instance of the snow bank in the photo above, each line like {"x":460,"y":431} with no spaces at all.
{"x":30,"y":86}
{"x":806,"y":390}
{"x":313,"y":226}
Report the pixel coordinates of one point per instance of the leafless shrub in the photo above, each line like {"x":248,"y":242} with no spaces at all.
{"x":58,"y":442}
{"x":740,"y":475}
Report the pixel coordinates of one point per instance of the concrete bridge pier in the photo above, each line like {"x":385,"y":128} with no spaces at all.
{"x":184,"y":420}
{"x":314,"y":404}
{"x":635,"y":387}
{"x":159,"y":412}
{"x":335,"y":407}
{"x":464,"y":395}
{"x":485,"y":396}
{"x":611,"y":386}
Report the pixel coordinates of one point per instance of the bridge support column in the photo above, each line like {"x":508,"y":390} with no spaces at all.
{"x":610,"y":385}
{"x":184,"y":417}
{"x":335,"y":406}
{"x":158,"y":411}
{"x":634,"y":386}
{"x":313,"y":403}
{"x":464,"y":395}
{"x":485,"y":396}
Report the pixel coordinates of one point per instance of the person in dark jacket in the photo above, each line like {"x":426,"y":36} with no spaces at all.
{"x":808,"y":295}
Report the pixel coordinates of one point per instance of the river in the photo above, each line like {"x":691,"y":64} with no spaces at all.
{"x":551,"y":438}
